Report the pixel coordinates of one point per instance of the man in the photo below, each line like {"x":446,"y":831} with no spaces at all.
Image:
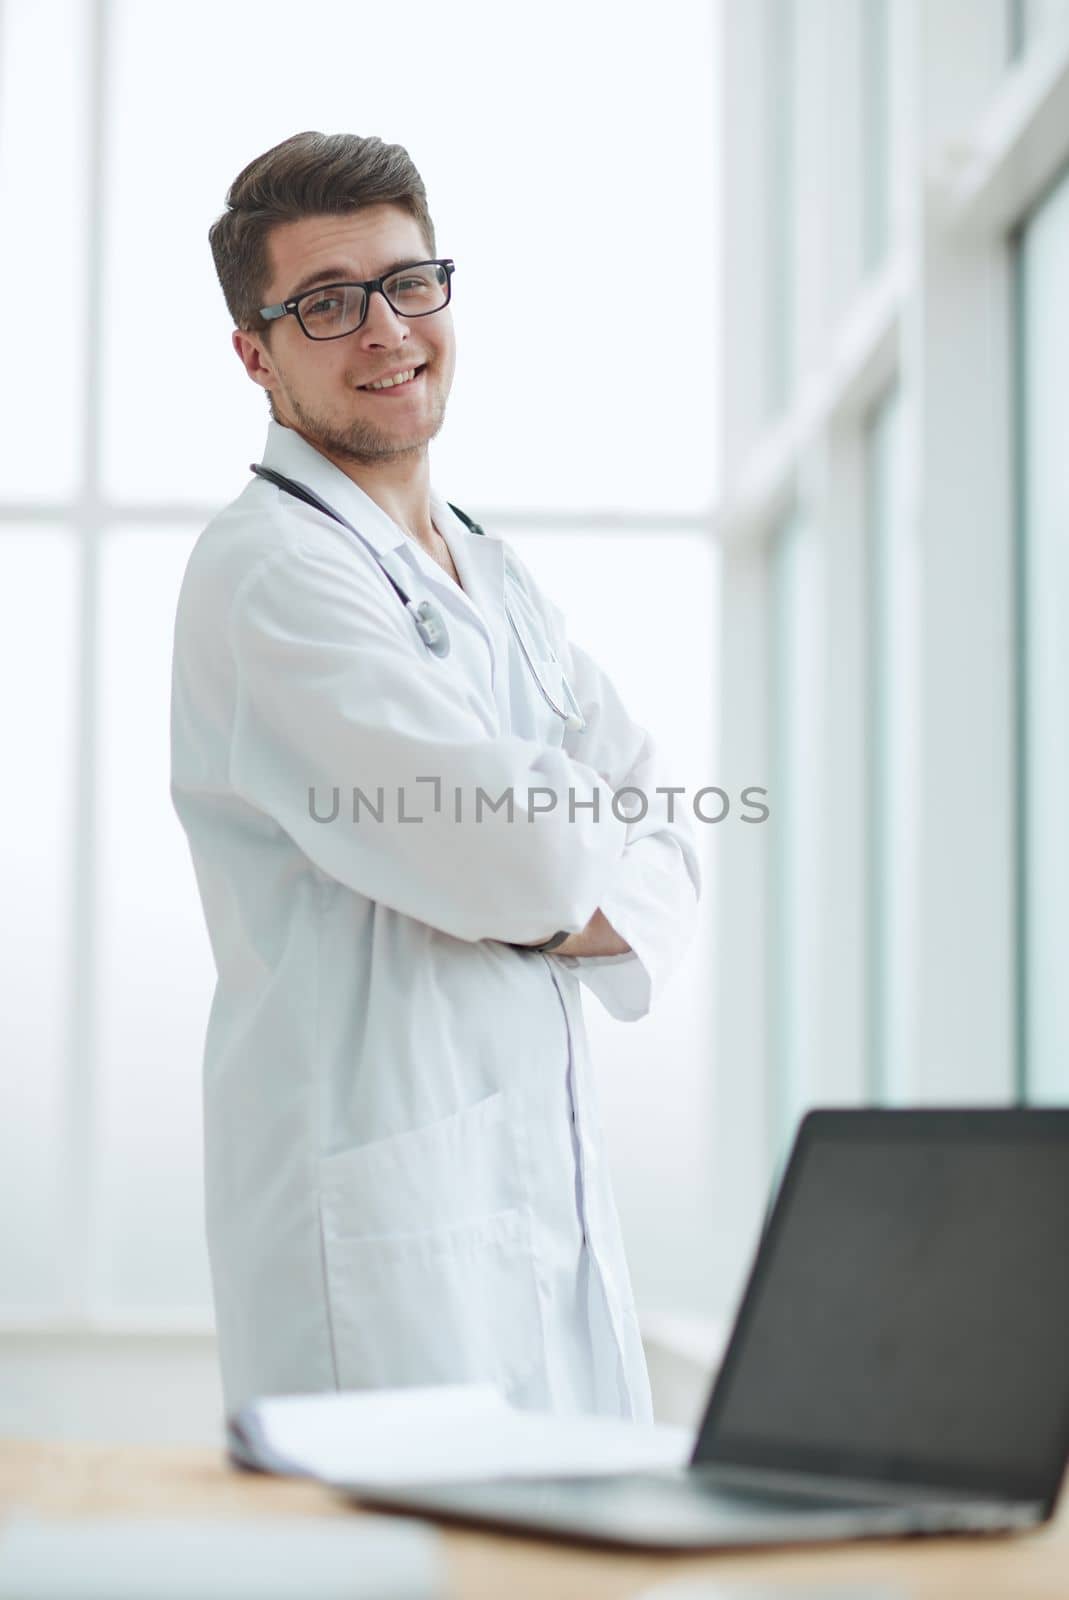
{"x":404,"y":1173}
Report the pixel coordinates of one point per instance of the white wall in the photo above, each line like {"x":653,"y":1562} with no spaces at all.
{"x":118,"y":1388}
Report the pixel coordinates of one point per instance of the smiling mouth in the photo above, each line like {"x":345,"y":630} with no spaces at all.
{"x":398,"y":383}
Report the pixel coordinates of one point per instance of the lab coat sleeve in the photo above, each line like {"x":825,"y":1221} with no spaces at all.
{"x":652,"y":896}
{"x":334,"y":692}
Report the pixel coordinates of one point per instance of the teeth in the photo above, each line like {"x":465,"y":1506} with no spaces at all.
{"x":391,"y":383}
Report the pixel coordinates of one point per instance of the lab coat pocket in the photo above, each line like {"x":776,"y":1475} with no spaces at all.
{"x":429,"y":1260}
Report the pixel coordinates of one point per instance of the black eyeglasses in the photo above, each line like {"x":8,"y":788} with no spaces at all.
{"x":332,"y":310}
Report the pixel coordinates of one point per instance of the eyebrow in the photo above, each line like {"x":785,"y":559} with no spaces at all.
{"x":326,"y":275}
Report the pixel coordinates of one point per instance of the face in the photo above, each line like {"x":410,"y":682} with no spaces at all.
{"x":318,"y":386}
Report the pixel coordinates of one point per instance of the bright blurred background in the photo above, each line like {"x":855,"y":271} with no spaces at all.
{"x":785,"y":436}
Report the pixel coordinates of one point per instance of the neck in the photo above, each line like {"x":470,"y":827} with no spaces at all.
{"x":400,"y":486}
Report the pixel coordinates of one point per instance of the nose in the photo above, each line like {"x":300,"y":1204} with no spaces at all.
{"x":382,"y":325}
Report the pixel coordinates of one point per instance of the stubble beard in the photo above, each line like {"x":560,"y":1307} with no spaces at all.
{"x":360,"y":441}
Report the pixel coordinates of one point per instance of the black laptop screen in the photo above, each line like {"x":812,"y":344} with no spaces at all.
{"x":908,"y":1313}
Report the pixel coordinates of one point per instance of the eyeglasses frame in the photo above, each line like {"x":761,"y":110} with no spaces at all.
{"x":289,"y":307}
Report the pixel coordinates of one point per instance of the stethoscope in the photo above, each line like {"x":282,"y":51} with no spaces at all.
{"x":430,"y":624}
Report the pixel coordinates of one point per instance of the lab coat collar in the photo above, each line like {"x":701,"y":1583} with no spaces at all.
{"x":287,"y":452}
{"x":480,"y":564}
{"x":479,"y":560}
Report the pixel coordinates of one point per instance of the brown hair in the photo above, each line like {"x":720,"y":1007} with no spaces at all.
{"x":307,"y":175}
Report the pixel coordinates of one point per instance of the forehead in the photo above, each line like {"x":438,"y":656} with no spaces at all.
{"x":363,"y":242}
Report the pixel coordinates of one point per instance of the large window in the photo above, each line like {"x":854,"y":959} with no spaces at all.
{"x":879,"y":156}
{"x":569,"y":159}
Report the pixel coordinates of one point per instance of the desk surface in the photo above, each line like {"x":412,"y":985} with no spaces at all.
{"x":77,"y":1480}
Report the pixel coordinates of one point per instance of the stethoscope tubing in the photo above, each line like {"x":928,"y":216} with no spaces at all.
{"x":574,"y":718}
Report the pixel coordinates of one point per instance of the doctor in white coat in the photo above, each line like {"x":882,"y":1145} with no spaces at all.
{"x":405,"y":1176}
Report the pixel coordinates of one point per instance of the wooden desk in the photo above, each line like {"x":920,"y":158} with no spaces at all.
{"x":76,"y":1480}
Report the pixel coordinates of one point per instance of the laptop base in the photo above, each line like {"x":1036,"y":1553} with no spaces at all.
{"x":686,"y":1510}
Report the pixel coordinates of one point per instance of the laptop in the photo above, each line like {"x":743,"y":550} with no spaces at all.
{"x":899,"y":1363}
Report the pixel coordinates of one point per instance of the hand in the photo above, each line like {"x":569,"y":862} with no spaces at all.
{"x":598,"y":938}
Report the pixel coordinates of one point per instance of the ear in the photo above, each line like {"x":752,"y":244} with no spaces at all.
{"x":255,"y":357}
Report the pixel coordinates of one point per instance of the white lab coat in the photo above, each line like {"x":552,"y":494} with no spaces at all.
{"x":405,"y":1178}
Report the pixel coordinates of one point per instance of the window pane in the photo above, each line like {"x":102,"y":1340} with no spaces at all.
{"x":1044,"y":337}
{"x":38,"y":634}
{"x":876,"y":59}
{"x":42,"y":185}
{"x":892,"y":776}
{"x":645,"y":607}
{"x":795,"y":882}
{"x":580,"y":134}
{"x":1032,"y":20}
{"x":155,"y":970}
{"x":781,"y":70}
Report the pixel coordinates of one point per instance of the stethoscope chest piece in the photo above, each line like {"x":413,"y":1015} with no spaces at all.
{"x":430,"y":626}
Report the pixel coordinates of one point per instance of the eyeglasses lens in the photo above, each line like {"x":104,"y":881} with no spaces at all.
{"x":413,"y":292}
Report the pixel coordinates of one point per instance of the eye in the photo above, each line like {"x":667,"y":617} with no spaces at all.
{"x":410,"y":283}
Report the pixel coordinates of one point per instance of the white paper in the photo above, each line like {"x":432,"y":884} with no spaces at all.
{"x":268,"y":1558}
{"x":443,"y":1435}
